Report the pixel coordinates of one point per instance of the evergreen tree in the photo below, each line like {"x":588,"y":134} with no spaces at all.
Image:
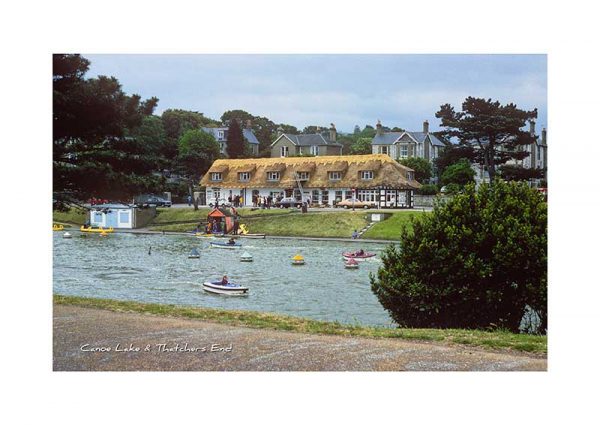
{"x":236,"y":143}
{"x":494,"y":130}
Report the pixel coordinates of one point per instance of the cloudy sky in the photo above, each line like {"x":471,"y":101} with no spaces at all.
{"x":301,"y":90}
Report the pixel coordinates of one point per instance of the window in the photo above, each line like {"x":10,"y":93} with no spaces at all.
{"x":222,"y":146}
{"x":302,"y":175}
{"x":216,"y":177}
{"x":324,"y":197}
{"x":124,"y":217}
{"x":367,"y":195}
{"x":338,"y":196}
{"x":314,"y":150}
{"x":335,"y":175}
{"x":383,"y":149}
{"x":366,"y":175}
{"x":221,"y":134}
{"x":403,"y":151}
{"x":244,"y":177}
{"x":410,"y":175}
{"x":273,"y":176}
{"x":285,"y":150}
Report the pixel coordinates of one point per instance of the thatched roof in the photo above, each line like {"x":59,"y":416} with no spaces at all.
{"x":219,"y":168}
{"x":386,"y":172}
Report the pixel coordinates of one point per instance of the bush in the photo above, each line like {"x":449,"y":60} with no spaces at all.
{"x":421,"y":166}
{"x":460,"y":173}
{"x":428,"y":189}
{"x":476,"y":261}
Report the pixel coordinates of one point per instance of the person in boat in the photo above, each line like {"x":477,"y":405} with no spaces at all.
{"x":360,"y":252}
{"x":224,"y":281}
{"x":231,"y":241}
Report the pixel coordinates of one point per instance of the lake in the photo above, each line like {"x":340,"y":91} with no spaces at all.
{"x":119,"y":267}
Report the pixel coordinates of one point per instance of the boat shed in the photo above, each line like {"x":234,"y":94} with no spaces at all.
{"x":120,"y":216}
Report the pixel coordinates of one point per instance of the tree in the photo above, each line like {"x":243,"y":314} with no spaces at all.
{"x":197,"y":150}
{"x":236,"y":143}
{"x":476,"y":261}
{"x":356,"y":129}
{"x":361,"y":146}
{"x":313,"y":129}
{"x":91,"y":154}
{"x":495,"y":130}
{"x":459,"y":174}
{"x":519,"y":173}
{"x":176,"y":122}
{"x":421,"y":166}
{"x":451,"y":154}
{"x":151,"y":135}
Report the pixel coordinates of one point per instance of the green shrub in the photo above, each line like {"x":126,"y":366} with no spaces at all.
{"x":459,"y":173}
{"x":476,"y":261}
{"x":428,"y":189}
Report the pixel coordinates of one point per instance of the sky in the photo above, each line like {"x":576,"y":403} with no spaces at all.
{"x":301,"y":90}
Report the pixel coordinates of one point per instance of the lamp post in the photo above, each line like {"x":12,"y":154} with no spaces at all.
{"x":353,"y":197}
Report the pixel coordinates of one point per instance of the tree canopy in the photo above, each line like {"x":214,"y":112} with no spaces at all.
{"x":460,"y":174}
{"x":197,"y":150}
{"x":421,"y":166}
{"x":91,"y":117}
{"x":520,"y":173}
{"x":477,"y":261}
{"x":236,"y":143}
{"x":494,"y":130}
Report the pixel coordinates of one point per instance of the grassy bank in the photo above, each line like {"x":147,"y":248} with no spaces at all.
{"x":73,"y":216}
{"x":494,"y":340}
{"x":313,"y":224}
{"x":390,"y":229}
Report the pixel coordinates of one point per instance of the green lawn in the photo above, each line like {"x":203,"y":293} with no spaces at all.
{"x":315,"y":224}
{"x":496,"y":339}
{"x":73,"y":216}
{"x":390,"y":229}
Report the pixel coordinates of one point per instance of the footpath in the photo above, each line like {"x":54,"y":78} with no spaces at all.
{"x":89,"y":339}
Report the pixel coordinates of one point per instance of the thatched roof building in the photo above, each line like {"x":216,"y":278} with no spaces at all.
{"x":349,"y":171}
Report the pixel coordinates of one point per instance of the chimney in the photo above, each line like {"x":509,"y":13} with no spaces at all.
{"x":379,"y":128}
{"x":532,"y":128}
{"x":248,"y":124}
{"x":332,"y":133}
{"x":279,"y":131}
{"x":544,"y":136}
{"x":426,"y":127}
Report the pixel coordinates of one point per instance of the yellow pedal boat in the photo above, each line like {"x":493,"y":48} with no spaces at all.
{"x":57,"y":227}
{"x":96,"y":229}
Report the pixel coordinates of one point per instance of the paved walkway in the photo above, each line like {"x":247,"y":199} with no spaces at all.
{"x":193,"y":345}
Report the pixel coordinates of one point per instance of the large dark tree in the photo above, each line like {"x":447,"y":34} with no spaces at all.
{"x":477,"y":261}
{"x":451,"y":154}
{"x":236,"y":143}
{"x":494,"y":130}
{"x":519,"y":173}
{"x":197,"y":150}
{"x":91,"y":117}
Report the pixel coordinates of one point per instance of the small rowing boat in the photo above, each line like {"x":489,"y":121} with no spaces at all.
{"x":225,"y":245}
{"x":351,"y":264}
{"x":246,"y":258}
{"x":254,"y":236}
{"x":227,"y":289}
{"x":194,"y":253}
{"x":358,"y":255}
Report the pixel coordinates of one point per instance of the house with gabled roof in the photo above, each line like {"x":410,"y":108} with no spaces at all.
{"x":407,"y":144}
{"x":322,"y":180}
{"x":316,"y":144}
{"x":220,"y":134}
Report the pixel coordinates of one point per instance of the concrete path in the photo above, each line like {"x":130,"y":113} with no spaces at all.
{"x":138,"y":342}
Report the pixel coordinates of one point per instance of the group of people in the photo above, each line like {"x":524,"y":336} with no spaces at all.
{"x":237,"y":200}
{"x":213,"y":226}
{"x":262,"y":201}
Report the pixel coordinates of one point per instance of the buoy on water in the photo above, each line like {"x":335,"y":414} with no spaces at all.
{"x":246,"y":258}
{"x":67,"y":235}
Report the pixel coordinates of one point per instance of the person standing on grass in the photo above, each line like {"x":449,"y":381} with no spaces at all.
{"x":189,"y":199}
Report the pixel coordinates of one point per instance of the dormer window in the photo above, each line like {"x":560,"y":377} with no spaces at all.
{"x":273,"y":176}
{"x":303,"y":175}
{"x":410,"y":175}
{"x":244,"y":177}
{"x":216,"y":177}
{"x":335,"y":175}
{"x":366,"y":175}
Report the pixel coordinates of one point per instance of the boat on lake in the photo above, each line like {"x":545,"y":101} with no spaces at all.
{"x":67,"y":235}
{"x":246,"y":258}
{"x":194,"y":253}
{"x":297,"y":260}
{"x":254,"y":236}
{"x":225,"y":245}
{"x":57,"y":227}
{"x":358,"y":255}
{"x":351,"y":264}
{"x":229,"y":288}
{"x":96,"y":229}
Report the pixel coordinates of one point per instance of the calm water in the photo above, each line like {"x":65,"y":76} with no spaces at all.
{"x":119,"y":267}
